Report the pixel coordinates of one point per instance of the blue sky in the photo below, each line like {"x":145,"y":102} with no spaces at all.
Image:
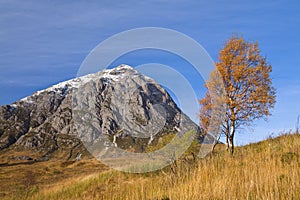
{"x":44,"y":42}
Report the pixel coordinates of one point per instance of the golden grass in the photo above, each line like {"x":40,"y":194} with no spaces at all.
{"x":265,"y":170}
{"x":21,"y":179}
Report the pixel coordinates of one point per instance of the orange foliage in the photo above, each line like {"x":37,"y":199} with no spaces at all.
{"x":248,"y":95}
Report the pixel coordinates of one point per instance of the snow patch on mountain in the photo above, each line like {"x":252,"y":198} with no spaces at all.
{"x":115,"y":74}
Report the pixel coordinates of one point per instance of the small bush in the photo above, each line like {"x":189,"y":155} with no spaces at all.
{"x":289,"y":157}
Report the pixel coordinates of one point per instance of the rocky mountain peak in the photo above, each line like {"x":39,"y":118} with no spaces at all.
{"x":129,"y":108}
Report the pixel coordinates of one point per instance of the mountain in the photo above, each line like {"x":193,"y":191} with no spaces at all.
{"x":121,"y":104}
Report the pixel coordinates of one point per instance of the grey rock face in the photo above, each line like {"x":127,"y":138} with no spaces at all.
{"x":132,"y":110}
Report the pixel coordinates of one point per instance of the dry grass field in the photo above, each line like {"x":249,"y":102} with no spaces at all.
{"x":266,"y":170}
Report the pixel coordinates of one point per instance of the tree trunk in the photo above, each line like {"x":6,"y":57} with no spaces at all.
{"x":216,"y":141}
{"x":231,"y":144}
{"x":213,"y":147}
{"x":231,"y":137}
{"x":227,"y":142}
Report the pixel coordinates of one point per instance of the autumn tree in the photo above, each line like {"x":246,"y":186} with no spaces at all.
{"x":249,"y":94}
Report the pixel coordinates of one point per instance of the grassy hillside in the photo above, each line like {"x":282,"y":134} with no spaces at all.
{"x":266,"y":170}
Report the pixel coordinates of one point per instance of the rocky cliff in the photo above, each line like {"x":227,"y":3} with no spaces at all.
{"x":130,"y":109}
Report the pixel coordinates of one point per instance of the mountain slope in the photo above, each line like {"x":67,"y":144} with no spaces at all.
{"x":269,"y":169}
{"x":130,"y":109}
